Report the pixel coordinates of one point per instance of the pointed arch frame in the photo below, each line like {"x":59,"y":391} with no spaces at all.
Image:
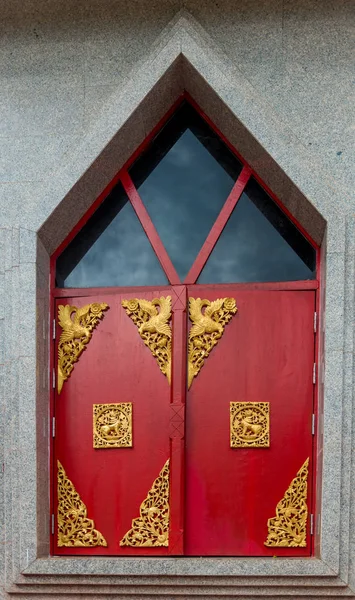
{"x":143,"y":216}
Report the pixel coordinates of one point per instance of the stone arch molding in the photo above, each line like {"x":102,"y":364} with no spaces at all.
{"x":184,"y":58}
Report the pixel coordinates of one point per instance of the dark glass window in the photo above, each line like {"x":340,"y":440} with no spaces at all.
{"x":184,"y":178}
{"x":110,"y":250}
{"x":259,"y":243}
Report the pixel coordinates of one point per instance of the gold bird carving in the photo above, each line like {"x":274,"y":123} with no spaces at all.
{"x":158,"y":320}
{"x":70,"y":319}
{"x":203,"y":322}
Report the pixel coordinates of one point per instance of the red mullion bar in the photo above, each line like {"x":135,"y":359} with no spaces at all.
{"x":149,"y":228}
{"x":177,"y":421}
{"x":218,"y":226}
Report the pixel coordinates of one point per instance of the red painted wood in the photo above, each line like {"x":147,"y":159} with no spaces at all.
{"x":218,"y":226}
{"x":265,"y":355}
{"x":115,"y":367}
{"x":269,"y":354}
{"x":177,"y":423}
{"x":150,"y":230}
{"x":309,"y":284}
{"x":82,"y":292}
{"x":312,"y":284}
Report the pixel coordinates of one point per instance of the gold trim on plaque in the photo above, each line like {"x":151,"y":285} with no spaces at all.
{"x":249,"y":425}
{"x":289,"y":528}
{"x":112,"y":425}
{"x":77,"y":326}
{"x":209,"y":320}
{"x":74,"y":528}
{"x":151,"y":528}
{"x":153,"y":327}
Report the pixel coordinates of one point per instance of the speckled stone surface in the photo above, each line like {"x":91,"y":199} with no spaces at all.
{"x":81,"y":88}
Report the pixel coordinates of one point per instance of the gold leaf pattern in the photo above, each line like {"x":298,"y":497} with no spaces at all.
{"x":153,"y":327}
{"x":77,"y":326}
{"x":151,"y":528}
{"x":74,"y":528}
{"x":112,"y":425}
{"x":249,"y":425}
{"x":209,"y":320}
{"x":289,"y":528}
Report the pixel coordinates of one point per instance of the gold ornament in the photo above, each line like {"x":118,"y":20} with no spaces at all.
{"x":249,"y":425}
{"x":112,"y":425}
{"x":207,"y":329}
{"x":153,"y":327}
{"x":77,"y":326}
{"x":151,"y":528}
{"x":289,"y":528}
{"x":74,"y":528}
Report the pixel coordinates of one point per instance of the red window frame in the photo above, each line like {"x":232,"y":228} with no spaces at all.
{"x":178,"y":390}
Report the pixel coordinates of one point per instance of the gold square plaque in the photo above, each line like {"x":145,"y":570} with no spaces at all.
{"x":249,"y":425}
{"x":112,"y":425}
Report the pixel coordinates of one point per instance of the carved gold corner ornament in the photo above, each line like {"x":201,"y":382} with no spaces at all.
{"x":153,"y":327}
{"x":209,"y":320}
{"x":112,"y":425}
{"x":249,"y":425}
{"x":288,"y":528}
{"x":74,"y":528}
{"x":151,"y":528}
{"x":77,"y":326}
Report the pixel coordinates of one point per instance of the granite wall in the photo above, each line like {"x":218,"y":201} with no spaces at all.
{"x":81,"y":86}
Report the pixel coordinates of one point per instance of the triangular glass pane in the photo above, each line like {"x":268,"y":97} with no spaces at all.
{"x":110,"y":250}
{"x":259,"y":243}
{"x":184,"y":178}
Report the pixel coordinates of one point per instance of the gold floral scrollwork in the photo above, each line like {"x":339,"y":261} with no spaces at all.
{"x":77,"y":326}
{"x":112,"y":425}
{"x":74,"y":528}
{"x":151,"y":528}
{"x":249,"y":425}
{"x":153,"y":327}
{"x":289,"y":528}
{"x":209,"y":320}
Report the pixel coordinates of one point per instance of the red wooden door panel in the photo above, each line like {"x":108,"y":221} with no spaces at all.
{"x":266,"y":354}
{"x":115,"y":367}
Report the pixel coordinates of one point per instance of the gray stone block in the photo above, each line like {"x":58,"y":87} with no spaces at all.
{"x":28,"y":246}
{"x":41,"y":104}
{"x":334,"y":302}
{"x":120,"y":35}
{"x":27,"y":302}
{"x":331,"y":488}
{"x":27,"y":468}
{"x":33,"y":158}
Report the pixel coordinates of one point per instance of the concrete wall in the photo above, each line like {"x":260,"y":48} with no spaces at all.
{"x":276,"y":78}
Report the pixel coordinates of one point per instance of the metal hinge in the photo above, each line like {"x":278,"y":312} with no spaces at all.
{"x":53,"y":378}
{"x":53,"y":426}
{"x":315,"y":322}
{"x":53,"y":329}
{"x":313,"y":424}
{"x":52,"y":527}
{"x":314,"y":376}
{"x":311,"y":521}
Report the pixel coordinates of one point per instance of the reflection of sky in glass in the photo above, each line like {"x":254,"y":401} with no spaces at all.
{"x":121,"y":256}
{"x":184,"y":195}
{"x":251,"y":249}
